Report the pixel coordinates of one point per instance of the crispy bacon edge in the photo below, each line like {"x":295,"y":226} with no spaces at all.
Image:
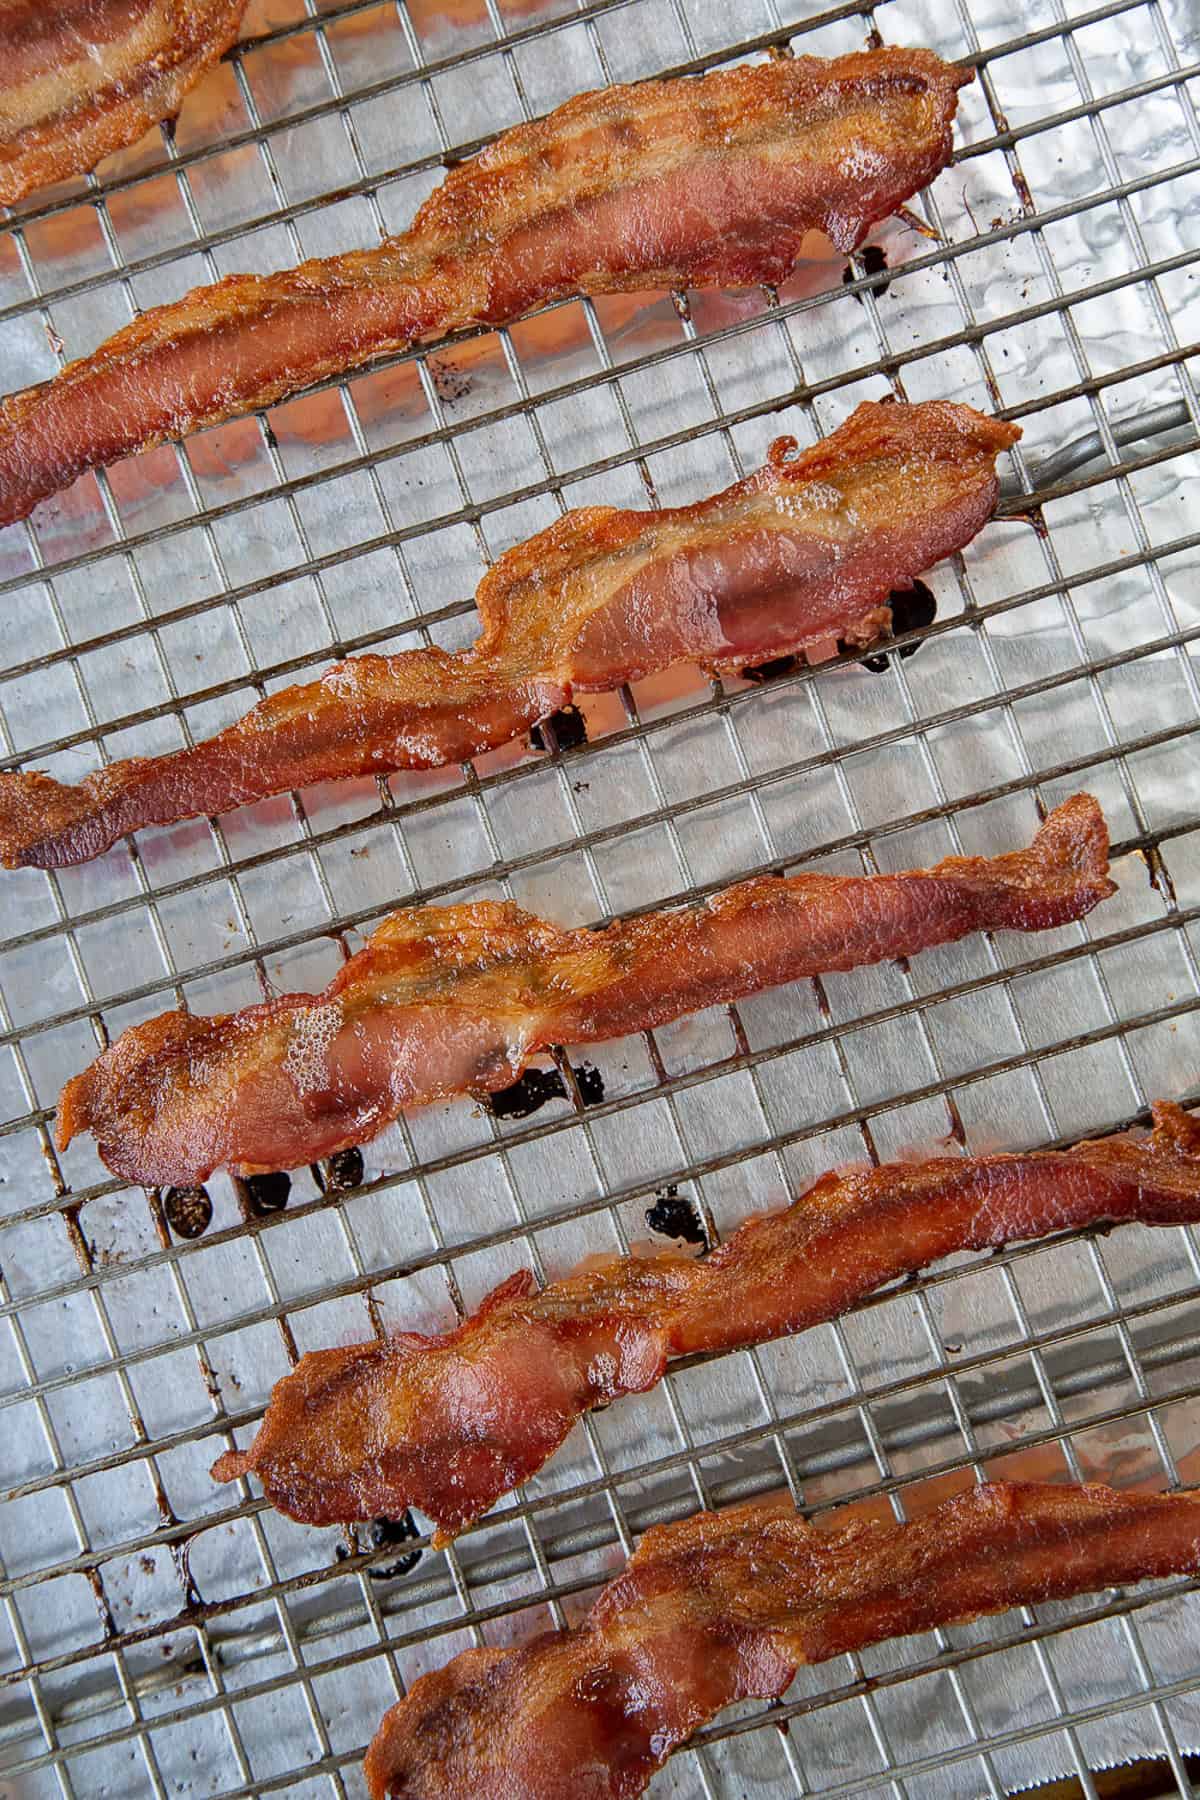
{"x":108,"y":82}
{"x":629,"y":188}
{"x":451,"y":1423}
{"x":457,"y":999}
{"x":599,"y":598}
{"x":727,"y":1606}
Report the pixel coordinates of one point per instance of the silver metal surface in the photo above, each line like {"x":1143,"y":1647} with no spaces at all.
{"x":161,"y":1635}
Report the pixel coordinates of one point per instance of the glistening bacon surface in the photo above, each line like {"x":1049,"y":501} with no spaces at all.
{"x":726,"y":1607}
{"x":456,"y":999}
{"x":82,"y":78}
{"x":686,"y":183}
{"x":805,"y":551}
{"x":451,"y":1423}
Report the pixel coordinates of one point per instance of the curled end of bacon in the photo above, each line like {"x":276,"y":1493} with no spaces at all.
{"x":75,"y":88}
{"x":805,"y":551}
{"x":726,"y":1607}
{"x":457,"y":999}
{"x":450,"y":1423}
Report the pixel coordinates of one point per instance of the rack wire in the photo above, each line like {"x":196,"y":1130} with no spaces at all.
{"x":164,"y":1636}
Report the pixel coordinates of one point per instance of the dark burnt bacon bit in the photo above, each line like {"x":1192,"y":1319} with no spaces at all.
{"x":447,"y":1000}
{"x":686,"y":183}
{"x":803,"y":552}
{"x":451,"y":1423}
{"x":727,"y":1606}
{"x":82,"y":78}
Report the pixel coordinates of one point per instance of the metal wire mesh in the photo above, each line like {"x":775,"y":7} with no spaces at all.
{"x":161,"y":1635}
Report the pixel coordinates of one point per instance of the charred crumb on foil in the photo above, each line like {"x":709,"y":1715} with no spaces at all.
{"x":450,"y":383}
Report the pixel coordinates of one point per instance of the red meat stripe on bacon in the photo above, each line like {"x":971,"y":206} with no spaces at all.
{"x":82,"y":78}
{"x":456,"y":999}
{"x":684,"y":183}
{"x":803,"y":552}
{"x":727,"y":1606}
{"x":451,"y":1423}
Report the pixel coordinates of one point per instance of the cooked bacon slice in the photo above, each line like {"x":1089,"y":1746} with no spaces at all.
{"x":451,"y":1423}
{"x":685,"y":183}
{"x":727,"y":1606}
{"x":803,"y":552}
{"x":455,"y":999}
{"x":82,"y":78}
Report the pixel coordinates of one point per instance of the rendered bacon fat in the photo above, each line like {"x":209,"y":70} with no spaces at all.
{"x":456,"y":999}
{"x":805,"y":551}
{"x":726,"y":1607}
{"x":451,"y":1423}
{"x":82,"y":78}
{"x":670,"y":183}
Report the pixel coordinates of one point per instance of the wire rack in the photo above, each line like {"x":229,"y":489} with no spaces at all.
{"x":161,"y":1635}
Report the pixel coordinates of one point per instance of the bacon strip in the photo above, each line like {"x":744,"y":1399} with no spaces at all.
{"x":727,"y":1606}
{"x":700,"y":183}
{"x":451,"y":1423}
{"x":82,"y":78}
{"x":456,"y":999}
{"x":805,"y":551}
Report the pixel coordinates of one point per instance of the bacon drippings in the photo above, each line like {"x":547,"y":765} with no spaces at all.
{"x":456,"y":999}
{"x":709,"y":182}
{"x":727,"y":1606}
{"x":82,"y":78}
{"x":451,"y":1423}
{"x":806,"y":550}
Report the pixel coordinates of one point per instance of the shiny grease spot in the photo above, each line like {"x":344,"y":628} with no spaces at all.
{"x":875,"y":262}
{"x":341,"y":1172}
{"x":188,"y":1211}
{"x":564,"y":730}
{"x":676,"y":1215}
{"x":382,"y":1534}
{"x":263,"y":1194}
{"x":769,"y":671}
{"x":912,"y":609}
